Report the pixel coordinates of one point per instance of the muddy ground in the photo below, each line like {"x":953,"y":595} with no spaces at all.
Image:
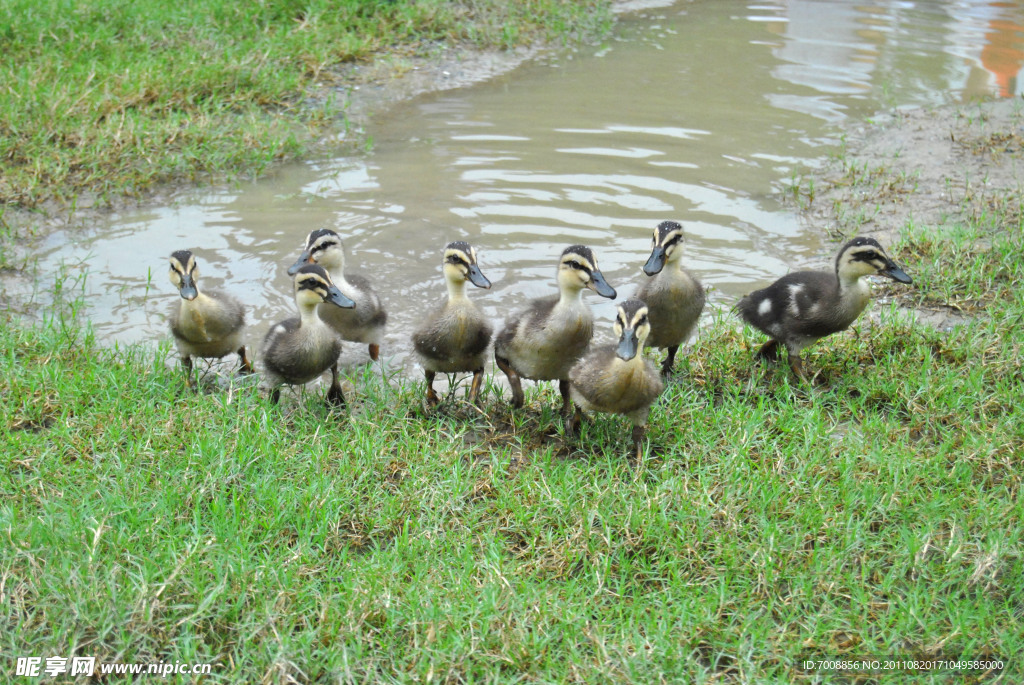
{"x":928,"y":166}
{"x":920,"y":167}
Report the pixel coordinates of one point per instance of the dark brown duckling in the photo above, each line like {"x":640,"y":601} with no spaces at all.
{"x":802,"y":307}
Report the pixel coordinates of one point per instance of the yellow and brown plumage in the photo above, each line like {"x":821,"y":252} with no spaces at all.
{"x":544,"y":340}
{"x":454,"y":337}
{"x":616,"y":379}
{"x":299,"y":349}
{"x":363,"y":323}
{"x":674,"y":296}
{"x":205,"y":324}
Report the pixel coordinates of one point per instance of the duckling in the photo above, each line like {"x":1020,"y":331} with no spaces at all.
{"x":674,"y":297}
{"x":364,"y":323}
{"x":454,"y":337}
{"x":208,"y":324}
{"x":616,"y":379}
{"x":802,"y":307}
{"x":543,"y":341}
{"x":299,"y":349}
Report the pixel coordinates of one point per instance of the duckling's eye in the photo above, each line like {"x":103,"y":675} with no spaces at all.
{"x":576,"y":265}
{"x":642,"y":321}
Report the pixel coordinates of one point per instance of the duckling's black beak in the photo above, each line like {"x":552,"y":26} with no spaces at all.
{"x":304,"y":258}
{"x":656,"y":262}
{"x":629,"y":344}
{"x":335,"y":296}
{"x":188,"y":288}
{"x":600,"y":286}
{"x":896,"y":273}
{"x":477,"y":278}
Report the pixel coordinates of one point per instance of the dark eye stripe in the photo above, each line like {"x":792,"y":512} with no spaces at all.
{"x":867,"y":256}
{"x":313,"y":284}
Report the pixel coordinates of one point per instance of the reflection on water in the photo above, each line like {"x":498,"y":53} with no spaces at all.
{"x":698,"y":112}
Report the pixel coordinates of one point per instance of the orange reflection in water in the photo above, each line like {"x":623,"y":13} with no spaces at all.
{"x":1002,"y":55}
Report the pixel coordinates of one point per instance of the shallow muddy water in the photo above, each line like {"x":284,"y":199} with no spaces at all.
{"x":700,"y":111}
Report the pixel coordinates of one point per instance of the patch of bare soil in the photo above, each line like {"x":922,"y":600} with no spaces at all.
{"x":926,"y":167}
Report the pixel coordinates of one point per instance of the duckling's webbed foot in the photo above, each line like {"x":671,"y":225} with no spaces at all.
{"x":432,"y":398}
{"x":246,"y":367}
{"x":513,"y":380}
{"x":334,"y":395}
{"x":563,"y":389}
{"x":474,"y":388}
{"x":769,"y":351}
{"x":374,"y":351}
{"x":670,"y":361}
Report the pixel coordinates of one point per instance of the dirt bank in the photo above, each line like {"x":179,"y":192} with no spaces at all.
{"x":926,"y":166}
{"x":920,"y":168}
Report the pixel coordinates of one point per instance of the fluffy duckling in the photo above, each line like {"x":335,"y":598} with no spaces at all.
{"x":802,"y":307}
{"x":299,"y":349}
{"x":454,"y":337}
{"x":543,"y":341}
{"x":204,"y":324}
{"x":365,"y":322}
{"x":674,"y":297}
{"x":616,"y":379}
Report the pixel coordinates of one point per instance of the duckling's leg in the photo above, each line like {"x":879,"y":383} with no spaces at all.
{"x":186,"y":362}
{"x":474,"y":388}
{"x":275,"y":395}
{"x":334,"y":395}
{"x":374,"y":351}
{"x":513,"y":380}
{"x":432,"y":398}
{"x":563,"y":388}
{"x":769,"y":351}
{"x":638,"y":441}
{"x":573,"y":423}
{"x":670,"y":360}
{"x":797,"y":364}
{"x":246,"y":367}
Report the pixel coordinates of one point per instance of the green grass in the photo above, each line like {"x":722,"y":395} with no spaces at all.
{"x":109,"y":97}
{"x":877,"y":511}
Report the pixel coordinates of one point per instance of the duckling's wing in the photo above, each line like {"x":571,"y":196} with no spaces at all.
{"x":369,"y":309}
{"x":590,"y":376}
{"x":281,"y":329}
{"x":174,"y":317}
{"x":801,"y":303}
{"x":433,"y":337}
{"x":813,"y":304}
{"x":230,"y":316}
{"x":525,"y":324}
